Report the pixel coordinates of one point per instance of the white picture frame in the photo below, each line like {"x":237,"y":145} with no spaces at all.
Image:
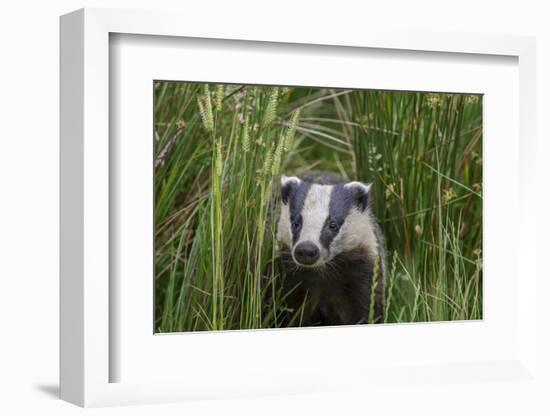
{"x":87,"y":355}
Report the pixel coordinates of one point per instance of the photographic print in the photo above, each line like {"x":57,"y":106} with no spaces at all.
{"x":279,"y":206}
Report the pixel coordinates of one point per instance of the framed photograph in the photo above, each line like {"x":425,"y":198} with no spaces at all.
{"x":281,"y":213}
{"x":242,"y":243}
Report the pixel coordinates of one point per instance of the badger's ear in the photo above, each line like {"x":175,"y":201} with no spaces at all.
{"x":360,"y":193}
{"x":288,"y":184}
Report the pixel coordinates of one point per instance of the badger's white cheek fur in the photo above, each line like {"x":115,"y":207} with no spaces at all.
{"x":355,"y":232}
{"x":283,"y":228}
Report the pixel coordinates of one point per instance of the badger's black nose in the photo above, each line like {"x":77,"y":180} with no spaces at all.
{"x":306,"y":253}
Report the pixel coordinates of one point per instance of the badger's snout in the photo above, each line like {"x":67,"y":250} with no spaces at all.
{"x":306,"y":253}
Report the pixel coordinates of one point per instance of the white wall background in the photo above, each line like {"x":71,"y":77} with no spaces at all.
{"x":29,"y":56}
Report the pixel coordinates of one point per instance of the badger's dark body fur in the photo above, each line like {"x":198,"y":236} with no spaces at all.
{"x":335,"y":290}
{"x":339,"y":295}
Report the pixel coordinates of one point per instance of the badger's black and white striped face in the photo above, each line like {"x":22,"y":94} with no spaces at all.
{"x":318,"y":222}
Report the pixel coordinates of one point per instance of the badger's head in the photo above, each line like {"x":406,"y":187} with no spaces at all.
{"x":318,"y":222}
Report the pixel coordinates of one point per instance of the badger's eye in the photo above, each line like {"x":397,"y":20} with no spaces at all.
{"x":333,"y":226}
{"x":296,"y":224}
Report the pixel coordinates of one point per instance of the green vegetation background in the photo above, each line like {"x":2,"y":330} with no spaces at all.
{"x":219,"y":153}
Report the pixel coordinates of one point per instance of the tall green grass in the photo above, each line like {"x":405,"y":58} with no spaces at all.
{"x":219,"y":154}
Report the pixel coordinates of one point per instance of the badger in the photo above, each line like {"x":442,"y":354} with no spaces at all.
{"x":332,"y":250}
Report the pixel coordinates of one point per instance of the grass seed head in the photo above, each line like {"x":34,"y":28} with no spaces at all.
{"x":220,"y":90}
{"x":268,"y":160}
{"x":219,"y":159}
{"x":448,"y":194}
{"x":180,"y":124}
{"x":271,"y":109}
{"x":277,"y":157}
{"x":434,"y":100}
{"x":245,"y":138}
{"x":205,"y":109}
{"x":472,"y":99}
{"x":291,"y":131}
